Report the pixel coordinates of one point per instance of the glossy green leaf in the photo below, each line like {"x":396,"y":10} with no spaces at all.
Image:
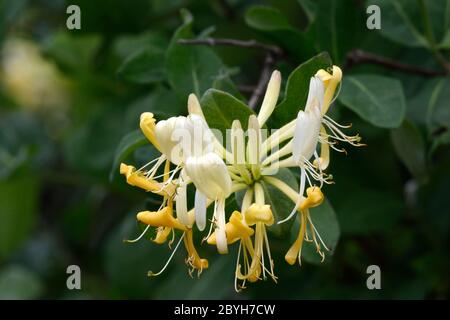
{"x":403,"y":21}
{"x":143,"y":67}
{"x":127,"y":264}
{"x":273,"y":24}
{"x":216,"y":282}
{"x":437,"y":110}
{"x":280,"y":204}
{"x":73,"y":52}
{"x":410,"y":147}
{"x":191,"y":69}
{"x":369,"y":211}
{"x":337,"y":29}
{"x":377,"y":99}
{"x":297,"y":88}
{"x":127,"y":145}
{"x":160,"y":101}
{"x":221,"y":109}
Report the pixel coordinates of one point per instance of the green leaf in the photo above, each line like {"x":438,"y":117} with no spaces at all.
{"x":18,"y":205}
{"x":369,"y":211}
{"x":127,"y":45}
{"x":403,"y":22}
{"x":272,"y":23}
{"x":191,"y":69}
{"x":127,"y":264}
{"x":377,"y":99}
{"x":160,"y":101}
{"x":297,"y":88}
{"x":221,"y":109}
{"x":215,"y":283}
{"x":326,"y":223}
{"x":429,"y":107}
{"x":23,"y":141}
{"x":410,"y":147}
{"x":19,"y":283}
{"x":266,"y":18}
{"x":144,"y":66}
{"x":127,"y":145}
{"x":400,"y":19}
{"x":337,"y":29}
{"x":310,"y":8}
{"x":437,"y":111}
{"x":73,"y":52}
{"x":280,"y":204}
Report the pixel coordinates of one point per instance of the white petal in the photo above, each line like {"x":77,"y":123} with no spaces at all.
{"x":181,"y":205}
{"x":306,"y":134}
{"x":270,"y":98}
{"x":316,"y":94}
{"x":221,"y":237}
{"x":210,"y":175}
{"x":200,"y":210}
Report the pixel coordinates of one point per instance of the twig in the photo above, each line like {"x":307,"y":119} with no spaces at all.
{"x":360,"y":57}
{"x":273,"y":52}
{"x":276,"y":51}
{"x":262,"y":82}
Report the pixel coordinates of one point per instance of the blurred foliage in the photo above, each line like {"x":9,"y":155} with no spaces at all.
{"x":62,"y":201}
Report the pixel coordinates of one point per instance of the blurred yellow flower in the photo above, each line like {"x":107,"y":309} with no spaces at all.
{"x":29,"y":79}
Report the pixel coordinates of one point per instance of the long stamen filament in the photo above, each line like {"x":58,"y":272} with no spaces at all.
{"x":151,"y":274}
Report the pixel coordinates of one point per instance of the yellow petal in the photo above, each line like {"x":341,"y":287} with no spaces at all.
{"x":259,"y":213}
{"x":235,"y":229}
{"x":137,"y":179}
{"x":293,"y":254}
{"x":162,"y":218}
{"x":147,"y":125}
{"x":193,"y":257}
{"x":314,"y":198}
{"x":162,"y":235}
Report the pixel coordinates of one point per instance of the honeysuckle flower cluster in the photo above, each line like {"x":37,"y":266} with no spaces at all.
{"x":192,"y":154}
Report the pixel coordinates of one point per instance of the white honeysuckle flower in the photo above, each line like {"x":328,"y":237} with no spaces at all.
{"x":164,"y":135}
{"x":194,"y":108}
{"x":181,"y":200}
{"x":247,"y":162}
{"x":270,"y":98}
{"x":210,"y":176}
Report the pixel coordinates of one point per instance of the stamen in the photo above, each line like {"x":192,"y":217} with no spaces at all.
{"x":147,"y":164}
{"x":138,"y":238}
{"x":336,"y":123}
{"x":300,"y":196}
{"x":151,"y":274}
{"x":317,"y":232}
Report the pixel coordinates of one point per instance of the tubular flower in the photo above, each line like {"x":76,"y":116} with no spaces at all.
{"x":193,"y":156}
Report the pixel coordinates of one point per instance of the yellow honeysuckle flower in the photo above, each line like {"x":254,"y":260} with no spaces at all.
{"x":162,"y":234}
{"x":138,"y":179}
{"x":235,"y":229}
{"x":315,"y":198}
{"x":161,"y":218}
{"x":260,"y":215}
{"x":194,"y":259}
{"x":148,"y":127}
